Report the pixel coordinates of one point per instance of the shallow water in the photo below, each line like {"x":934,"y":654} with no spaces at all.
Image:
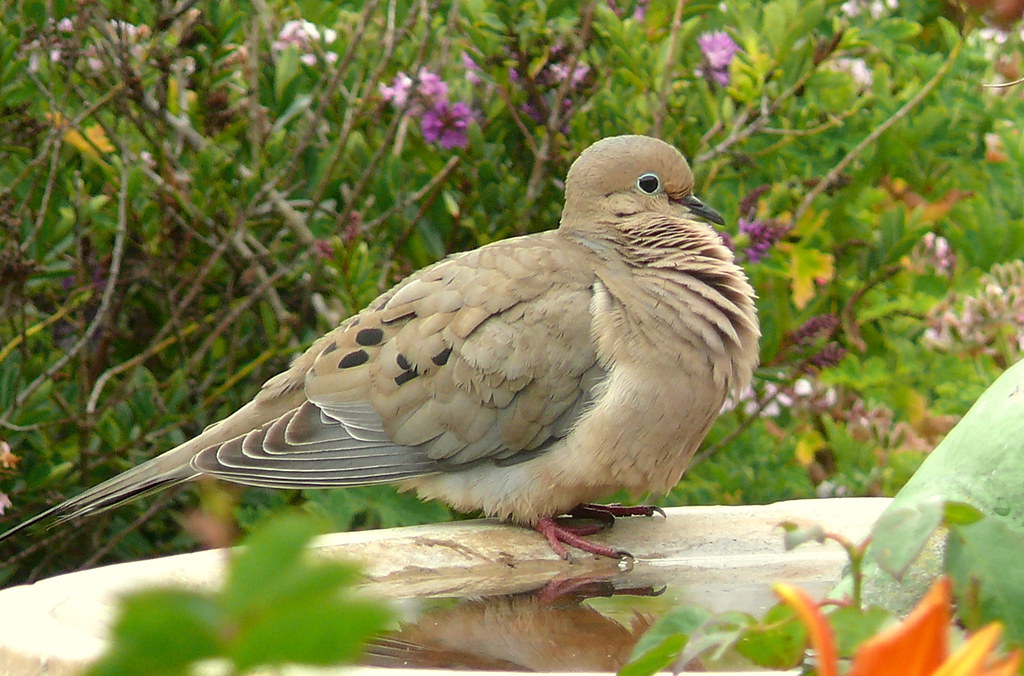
{"x":586,"y":623}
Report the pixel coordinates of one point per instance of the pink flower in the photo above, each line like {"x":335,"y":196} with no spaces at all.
{"x":560,"y":71}
{"x":431,"y":87}
{"x":302,"y":35}
{"x":471,"y":68}
{"x":446,"y":124}
{"x":5,"y":503}
{"x":718,"y":49}
{"x":398,"y":92}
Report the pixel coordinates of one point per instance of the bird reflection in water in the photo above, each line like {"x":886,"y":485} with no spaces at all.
{"x":547,"y":629}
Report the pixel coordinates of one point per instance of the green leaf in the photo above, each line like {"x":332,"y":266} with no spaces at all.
{"x":373,"y":506}
{"x":901,"y":534}
{"x":777,"y":641}
{"x":852,"y":626}
{"x":160,"y":631}
{"x":279,"y":605}
{"x":320,"y":629}
{"x":984,"y":560}
{"x":264,"y":569}
{"x":727,"y":629}
{"x":679,"y":621}
{"x":287,"y":607}
{"x":656,"y":658}
{"x":961,"y":514}
{"x":288,"y":68}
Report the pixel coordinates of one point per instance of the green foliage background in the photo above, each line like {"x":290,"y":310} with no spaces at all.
{"x":184,"y":206}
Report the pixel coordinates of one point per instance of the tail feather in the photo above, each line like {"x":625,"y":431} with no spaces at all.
{"x":170,"y":468}
{"x":147,"y":478}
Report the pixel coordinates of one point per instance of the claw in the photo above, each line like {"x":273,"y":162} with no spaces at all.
{"x":618,"y":510}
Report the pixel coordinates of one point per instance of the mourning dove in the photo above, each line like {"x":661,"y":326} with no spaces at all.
{"x":524,"y":378}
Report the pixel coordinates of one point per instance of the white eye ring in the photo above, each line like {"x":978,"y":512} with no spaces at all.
{"x":649,"y":183}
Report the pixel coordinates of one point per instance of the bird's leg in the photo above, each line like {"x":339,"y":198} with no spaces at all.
{"x":559,"y":535}
{"x":603,"y":512}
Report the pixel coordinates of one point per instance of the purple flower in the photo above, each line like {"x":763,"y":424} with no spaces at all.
{"x":445,"y":124}
{"x":431,"y":87}
{"x":540,"y":116}
{"x":830,"y":355}
{"x":398,"y":93}
{"x":817,"y":325}
{"x":763,"y":236}
{"x":718,"y":49}
{"x":727,"y":239}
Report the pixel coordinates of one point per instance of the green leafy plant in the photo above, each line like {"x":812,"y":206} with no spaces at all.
{"x":277,"y":606}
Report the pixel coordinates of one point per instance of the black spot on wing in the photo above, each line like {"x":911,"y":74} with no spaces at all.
{"x":403,"y":362}
{"x":406,"y":376}
{"x":351,"y":359}
{"x":441,"y":358}
{"x":370,"y":336}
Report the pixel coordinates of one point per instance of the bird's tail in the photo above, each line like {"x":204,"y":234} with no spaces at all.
{"x":280,"y":394}
{"x":161,"y":472}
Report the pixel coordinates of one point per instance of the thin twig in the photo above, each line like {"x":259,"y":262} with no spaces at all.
{"x":868,"y":140}
{"x":345,"y":214}
{"x":437,"y":178}
{"x":230,"y":317}
{"x":830,"y":123}
{"x":101,"y":312}
{"x":759,"y":122}
{"x":61,"y":312}
{"x":428,"y":198}
{"x":673,"y":39}
{"x":554,"y":121}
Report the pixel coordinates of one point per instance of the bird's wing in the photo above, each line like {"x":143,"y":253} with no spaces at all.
{"x":484,"y":357}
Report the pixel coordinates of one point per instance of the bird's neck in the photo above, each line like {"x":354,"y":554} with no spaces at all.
{"x":673,"y":280}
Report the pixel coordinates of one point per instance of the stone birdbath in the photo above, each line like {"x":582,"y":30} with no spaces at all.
{"x":723,"y":558}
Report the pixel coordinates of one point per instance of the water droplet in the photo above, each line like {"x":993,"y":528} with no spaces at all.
{"x":1002,"y":507}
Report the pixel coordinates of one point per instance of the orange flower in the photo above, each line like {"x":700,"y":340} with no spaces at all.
{"x":917,"y":646}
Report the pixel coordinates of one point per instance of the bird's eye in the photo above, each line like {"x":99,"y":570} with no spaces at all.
{"x":649,"y":183}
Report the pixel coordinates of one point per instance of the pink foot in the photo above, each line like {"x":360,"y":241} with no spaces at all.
{"x":558,"y":536}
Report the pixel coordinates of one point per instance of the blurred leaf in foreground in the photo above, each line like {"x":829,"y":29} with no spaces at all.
{"x":278,"y":606}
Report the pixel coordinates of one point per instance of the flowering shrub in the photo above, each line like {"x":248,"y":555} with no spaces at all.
{"x":188,"y":198}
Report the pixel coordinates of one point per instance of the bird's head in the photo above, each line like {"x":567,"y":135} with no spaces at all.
{"x":624,"y":176}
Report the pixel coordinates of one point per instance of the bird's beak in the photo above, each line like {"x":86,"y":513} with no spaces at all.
{"x":698,"y":208}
